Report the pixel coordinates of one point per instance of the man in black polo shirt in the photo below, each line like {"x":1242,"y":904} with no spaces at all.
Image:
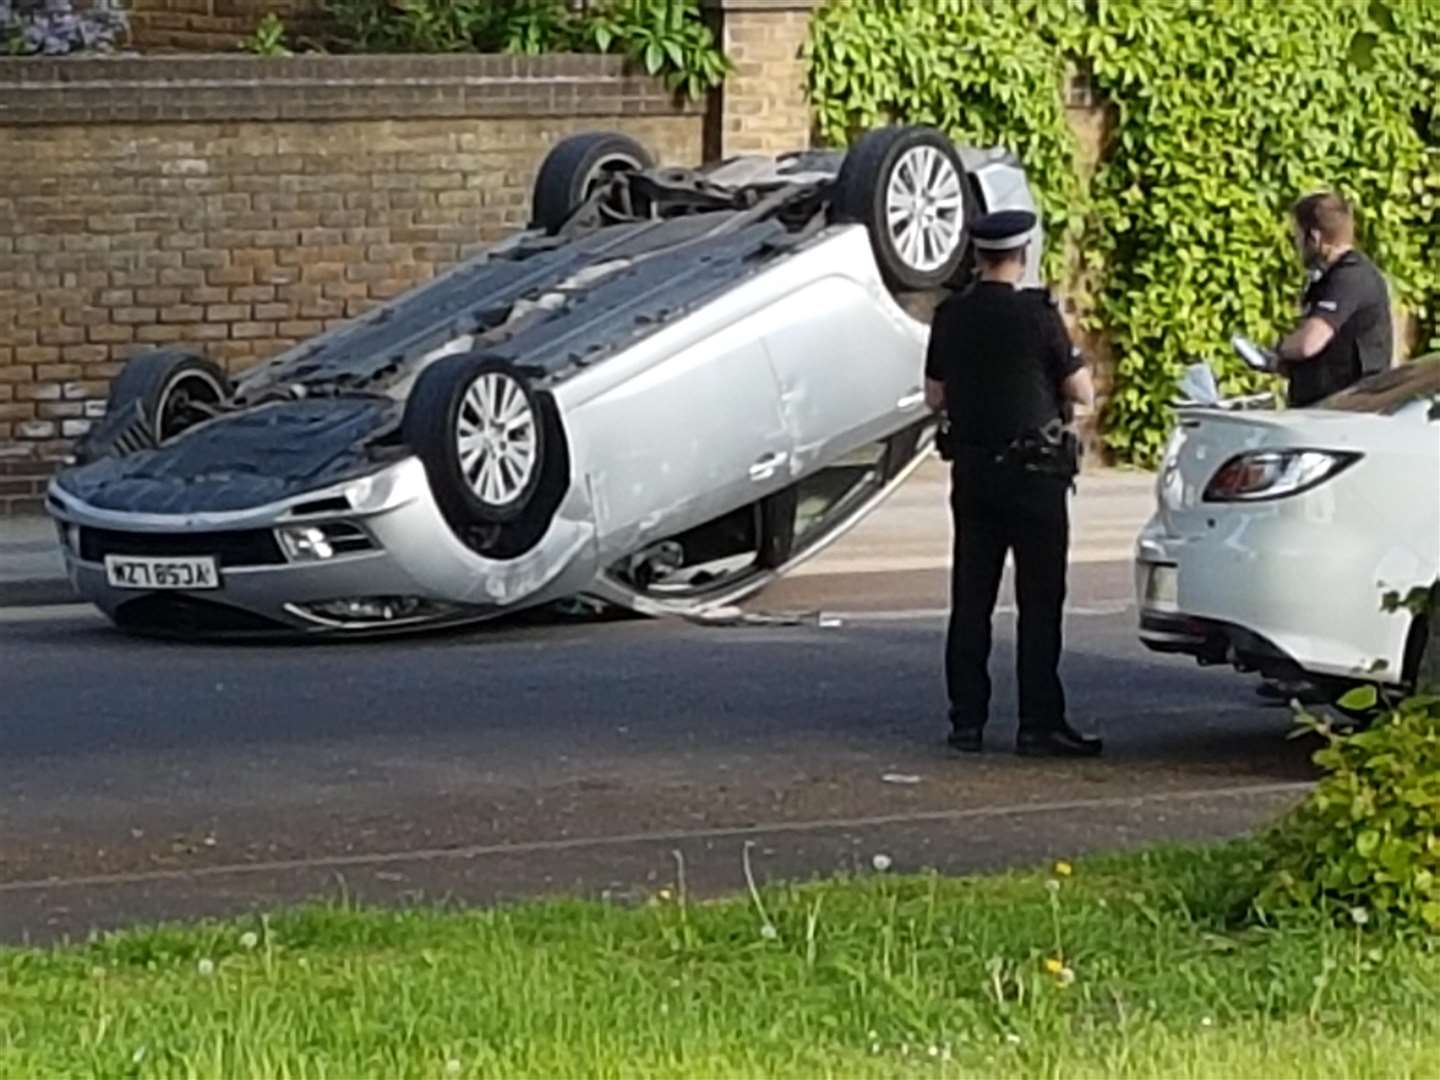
{"x":1345,"y":330}
{"x":1001,"y":365}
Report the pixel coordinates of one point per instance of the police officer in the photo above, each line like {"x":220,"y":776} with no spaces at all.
{"x":1001,"y":366}
{"x":1345,"y":331}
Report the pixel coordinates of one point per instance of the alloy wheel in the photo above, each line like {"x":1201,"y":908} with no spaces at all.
{"x":496,"y":438}
{"x":925,"y":208}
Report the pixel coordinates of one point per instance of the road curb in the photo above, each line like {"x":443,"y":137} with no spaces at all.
{"x":37,"y":592}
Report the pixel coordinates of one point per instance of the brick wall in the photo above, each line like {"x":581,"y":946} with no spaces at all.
{"x":763,"y":107}
{"x":184,"y":201}
{"x":211,"y":25}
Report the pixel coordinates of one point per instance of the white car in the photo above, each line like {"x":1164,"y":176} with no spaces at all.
{"x":1278,"y":535}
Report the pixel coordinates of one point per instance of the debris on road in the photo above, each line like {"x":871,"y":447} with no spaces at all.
{"x":579,"y":607}
{"x":729,"y":615}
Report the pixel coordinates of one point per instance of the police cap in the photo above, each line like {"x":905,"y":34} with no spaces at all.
{"x":1004,"y":230}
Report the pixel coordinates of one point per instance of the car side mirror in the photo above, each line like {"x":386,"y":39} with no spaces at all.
{"x":1197,"y":386}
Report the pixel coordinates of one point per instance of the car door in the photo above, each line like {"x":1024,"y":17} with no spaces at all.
{"x":849,"y":371}
{"x":688,"y":438}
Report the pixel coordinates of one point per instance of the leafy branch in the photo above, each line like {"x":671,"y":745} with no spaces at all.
{"x":669,"y":38}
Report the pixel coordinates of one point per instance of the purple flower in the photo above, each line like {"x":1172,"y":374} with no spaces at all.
{"x":58,"y":28}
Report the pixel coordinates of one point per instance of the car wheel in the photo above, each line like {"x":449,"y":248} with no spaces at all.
{"x":476,"y":425}
{"x":172,"y":388}
{"x":576,"y":168}
{"x":1422,"y":647}
{"x":908,"y":187}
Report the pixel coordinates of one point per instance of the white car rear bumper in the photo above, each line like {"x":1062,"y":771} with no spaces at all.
{"x":1254,"y":590}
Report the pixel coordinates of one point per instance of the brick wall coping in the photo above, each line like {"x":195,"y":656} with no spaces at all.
{"x":761,"y":5}
{"x":129,"y":89}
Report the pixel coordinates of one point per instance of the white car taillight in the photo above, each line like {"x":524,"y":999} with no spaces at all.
{"x":1274,"y":474}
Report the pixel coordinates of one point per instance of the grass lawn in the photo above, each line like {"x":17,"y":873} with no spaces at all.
{"x":1133,"y":966}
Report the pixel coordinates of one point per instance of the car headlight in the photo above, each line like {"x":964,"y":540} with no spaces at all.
{"x":1274,"y":474}
{"x":316,"y":543}
{"x":371,"y":493}
{"x":388,"y":489}
{"x":305,"y":543}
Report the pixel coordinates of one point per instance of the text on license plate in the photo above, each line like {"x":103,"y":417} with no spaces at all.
{"x":143,"y":572}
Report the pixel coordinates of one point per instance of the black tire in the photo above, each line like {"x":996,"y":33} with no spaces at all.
{"x":459,"y":390}
{"x":166,"y":382}
{"x":1422,"y":647}
{"x":862,"y":196}
{"x":575,"y":167}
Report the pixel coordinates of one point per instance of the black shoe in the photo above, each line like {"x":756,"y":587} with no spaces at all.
{"x":1062,"y":741}
{"x":968,"y":740}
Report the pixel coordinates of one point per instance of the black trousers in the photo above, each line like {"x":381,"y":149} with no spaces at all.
{"x":998,"y":509}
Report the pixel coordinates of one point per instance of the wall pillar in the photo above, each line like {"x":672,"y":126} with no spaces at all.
{"x":762,"y":107}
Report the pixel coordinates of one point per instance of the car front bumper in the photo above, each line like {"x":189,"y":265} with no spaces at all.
{"x":415,"y":574}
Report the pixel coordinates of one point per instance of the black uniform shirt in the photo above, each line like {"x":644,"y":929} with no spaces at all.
{"x":1002,"y":354}
{"x":1351,"y":297}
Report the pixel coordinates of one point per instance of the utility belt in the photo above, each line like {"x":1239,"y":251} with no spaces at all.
{"x":1051,"y":450}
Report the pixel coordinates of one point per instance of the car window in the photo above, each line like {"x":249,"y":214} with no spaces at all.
{"x":1389,"y":391}
{"x":836,"y":490}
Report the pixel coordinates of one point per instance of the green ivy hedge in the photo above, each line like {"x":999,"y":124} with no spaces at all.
{"x":1225,"y":112}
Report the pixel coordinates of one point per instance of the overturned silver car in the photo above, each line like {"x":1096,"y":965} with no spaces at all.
{"x":670,"y":388}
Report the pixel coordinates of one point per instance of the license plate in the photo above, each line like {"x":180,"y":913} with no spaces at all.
{"x":145,"y":572}
{"x":1162,"y":587}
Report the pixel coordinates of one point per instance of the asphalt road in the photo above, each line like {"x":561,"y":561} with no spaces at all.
{"x":146,"y":780}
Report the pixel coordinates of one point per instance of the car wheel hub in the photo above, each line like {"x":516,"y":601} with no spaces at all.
{"x":924,"y":208}
{"x":495,"y":433}
{"x":606,"y":170}
{"x":176,"y":407}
